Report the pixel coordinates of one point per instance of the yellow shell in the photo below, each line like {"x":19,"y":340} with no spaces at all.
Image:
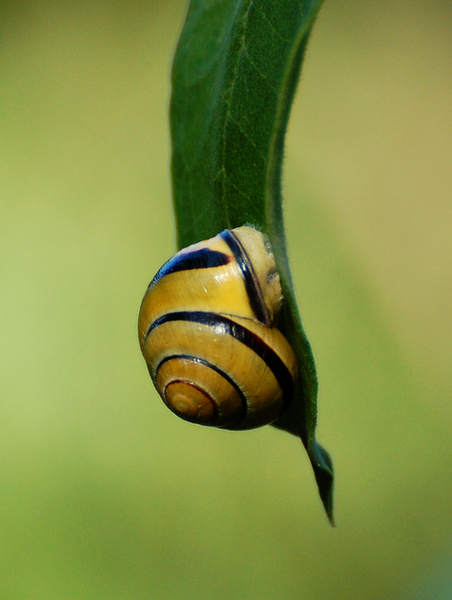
{"x":207,"y":332}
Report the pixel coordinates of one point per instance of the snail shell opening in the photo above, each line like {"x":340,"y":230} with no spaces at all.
{"x":262,"y":261}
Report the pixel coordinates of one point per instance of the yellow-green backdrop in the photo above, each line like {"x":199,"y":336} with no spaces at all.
{"x":104,"y":493}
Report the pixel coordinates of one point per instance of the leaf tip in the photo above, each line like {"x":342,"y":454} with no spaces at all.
{"x":322,"y":465}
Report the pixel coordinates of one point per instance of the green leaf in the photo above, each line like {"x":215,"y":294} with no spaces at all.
{"x":234,"y":77}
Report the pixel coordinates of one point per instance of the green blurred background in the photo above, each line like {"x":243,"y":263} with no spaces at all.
{"x":104,"y":493}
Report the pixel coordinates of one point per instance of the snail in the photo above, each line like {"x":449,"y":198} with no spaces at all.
{"x":207,"y":330}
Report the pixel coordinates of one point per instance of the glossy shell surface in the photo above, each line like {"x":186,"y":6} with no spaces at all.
{"x":207,"y":332}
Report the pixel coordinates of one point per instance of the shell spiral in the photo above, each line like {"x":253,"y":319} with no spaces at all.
{"x":207,"y":332}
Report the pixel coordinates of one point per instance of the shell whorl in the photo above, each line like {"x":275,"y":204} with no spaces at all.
{"x":207,"y":333}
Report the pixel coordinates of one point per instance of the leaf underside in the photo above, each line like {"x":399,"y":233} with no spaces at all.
{"x":234,"y":77}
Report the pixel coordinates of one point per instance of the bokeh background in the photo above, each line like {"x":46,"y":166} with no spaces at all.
{"x":104,"y":493}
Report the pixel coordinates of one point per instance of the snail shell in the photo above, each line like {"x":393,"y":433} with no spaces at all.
{"x":207,"y":332}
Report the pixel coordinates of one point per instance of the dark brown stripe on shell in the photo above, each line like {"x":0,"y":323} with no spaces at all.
{"x":252,"y":285}
{"x":222,"y":373}
{"x":226,"y":326}
{"x":187,"y":261}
